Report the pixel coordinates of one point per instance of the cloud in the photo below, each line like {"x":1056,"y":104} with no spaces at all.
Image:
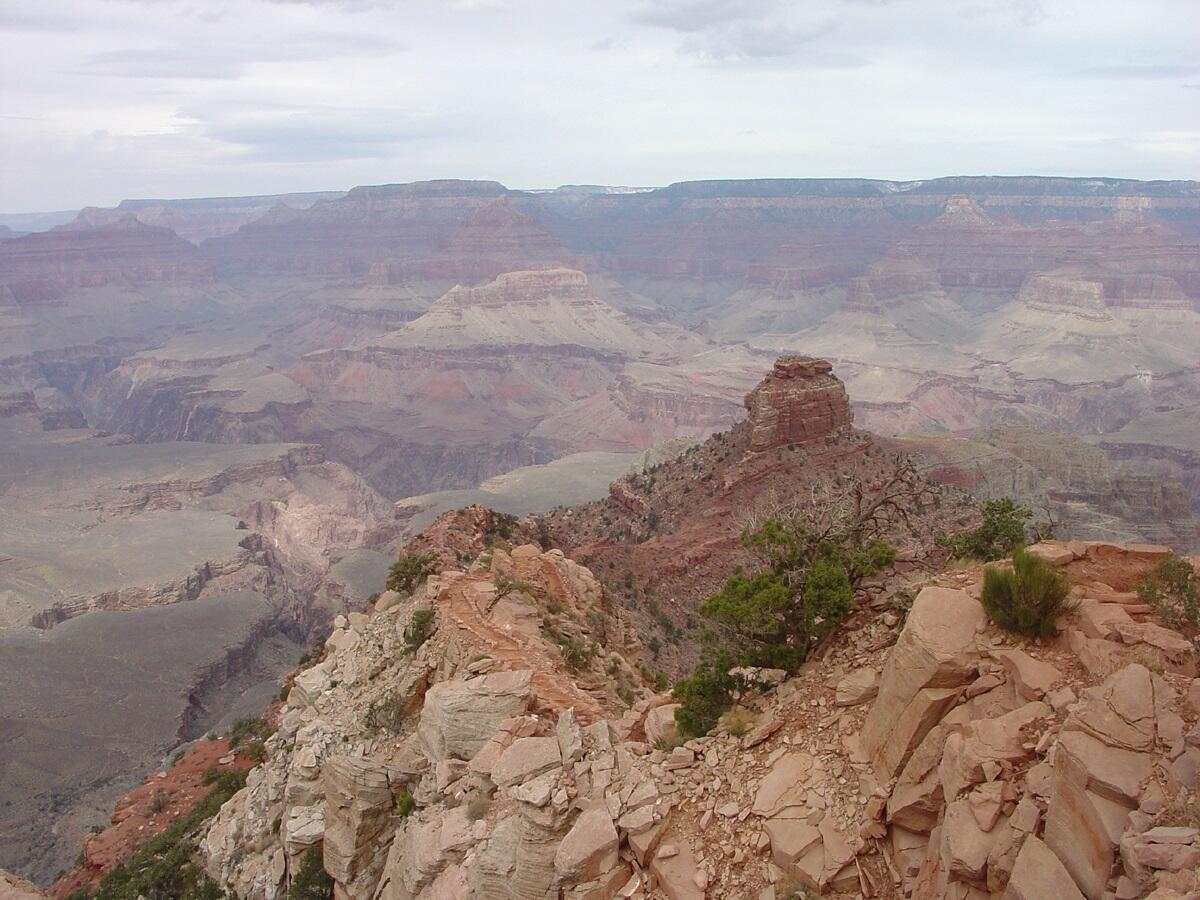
{"x":1140,"y":71}
{"x":231,"y":59}
{"x":316,"y":135}
{"x":696,"y":15}
{"x":766,"y":44}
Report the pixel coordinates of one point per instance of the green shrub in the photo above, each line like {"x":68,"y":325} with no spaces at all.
{"x":420,"y":627}
{"x":404,"y":804}
{"x":246,"y":731}
{"x":510,"y":584}
{"x":775,"y":617}
{"x":409,"y":571}
{"x":1028,"y":598}
{"x":1000,"y":532}
{"x":311,"y":881}
{"x":1173,"y":589}
{"x":704,"y":695}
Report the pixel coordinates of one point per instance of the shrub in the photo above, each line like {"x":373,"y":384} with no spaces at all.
{"x":737,"y":721}
{"x":776,"y":616}
{"x":510,"y":584}
{"x":704,"y":695}
{"x":577,"y":654}
{"x":160,"y":801}
{"x":1002,"y":531}
{"x":246,"y":731}
{"x":311,"y":881}
{"x":420,"y":627}
{"x":409,"y":571}
{"x":1173,"y":589}
{"x":404,"y":804}
{"x":1027,"y":598}
{"x":545,"y":541}
{"x":386,"y":713}
{"x":477,"y":807}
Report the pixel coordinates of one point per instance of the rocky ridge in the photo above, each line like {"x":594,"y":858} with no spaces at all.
{"x":930,"y":757}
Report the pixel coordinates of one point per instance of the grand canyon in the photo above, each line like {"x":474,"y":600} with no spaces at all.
{"x":222,"y":420}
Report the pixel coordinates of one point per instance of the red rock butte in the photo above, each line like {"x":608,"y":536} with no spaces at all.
{"x":800,"y":402}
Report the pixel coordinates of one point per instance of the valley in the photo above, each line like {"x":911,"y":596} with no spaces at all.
{"x":220,"y":418}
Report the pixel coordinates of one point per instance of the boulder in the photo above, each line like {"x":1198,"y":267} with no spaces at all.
{"x":858,"y":687}
{"x":1053,"y":552}
{"x":1082,"y":827}
{"x":1039,"y":875}
{"x":784,"y":785}
{"x":526,"y":758}
{"x":1032,"y":678}
{"x":1004,"y":739}
{"x":965,"y":846}
{"x":660,"y":725}
{"x":589,"y":848}
{"x":1120,"y":711}
{"x":933,"y":659}
{"x":459,"y":717}
{"x":675,"y":873}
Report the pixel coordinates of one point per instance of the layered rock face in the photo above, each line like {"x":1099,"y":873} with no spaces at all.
{"x":800,"y":402}
{"x":94,"y":250}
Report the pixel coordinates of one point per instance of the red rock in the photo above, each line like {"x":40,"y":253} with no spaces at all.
{"x":800,"y":402}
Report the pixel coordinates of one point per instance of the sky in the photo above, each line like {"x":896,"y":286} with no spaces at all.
{"x":102,"y":100}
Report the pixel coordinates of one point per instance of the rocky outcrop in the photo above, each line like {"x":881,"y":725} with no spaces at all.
{"x":800,"y":402}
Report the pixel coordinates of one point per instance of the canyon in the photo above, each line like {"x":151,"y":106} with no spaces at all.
{"x":453,"y":740}
{"x":224,"y":416}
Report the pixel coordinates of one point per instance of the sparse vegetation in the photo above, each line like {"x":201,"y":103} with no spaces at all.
{"x":1027,"y":598}
{"x":385,"y":714}
{"x":813,"y":553}
{"x":311,"y":881}
{"x":1000,"y":532}
{"x":407,"y":573}
{"x":545,"y":541}
{"x":477,"y":807}
{"x":576,"y":653}
{"x":499,"y":525}
{"x":509,"y":584}
{"x":160,"y":801}
{"x":404,"y":804}
{"x":737,"y":720}
{"x":250,"y":736}
{"x":162,"y":868}
{"x":1173,"y":589}
{"x":419,"y":629}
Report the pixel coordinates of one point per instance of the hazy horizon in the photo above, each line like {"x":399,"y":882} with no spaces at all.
{"x":104,"y":100}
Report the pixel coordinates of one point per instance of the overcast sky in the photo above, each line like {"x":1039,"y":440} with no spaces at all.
{"x":106,"y":99}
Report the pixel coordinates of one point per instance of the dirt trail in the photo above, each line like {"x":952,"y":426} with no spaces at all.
{"x":554,"y":687}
